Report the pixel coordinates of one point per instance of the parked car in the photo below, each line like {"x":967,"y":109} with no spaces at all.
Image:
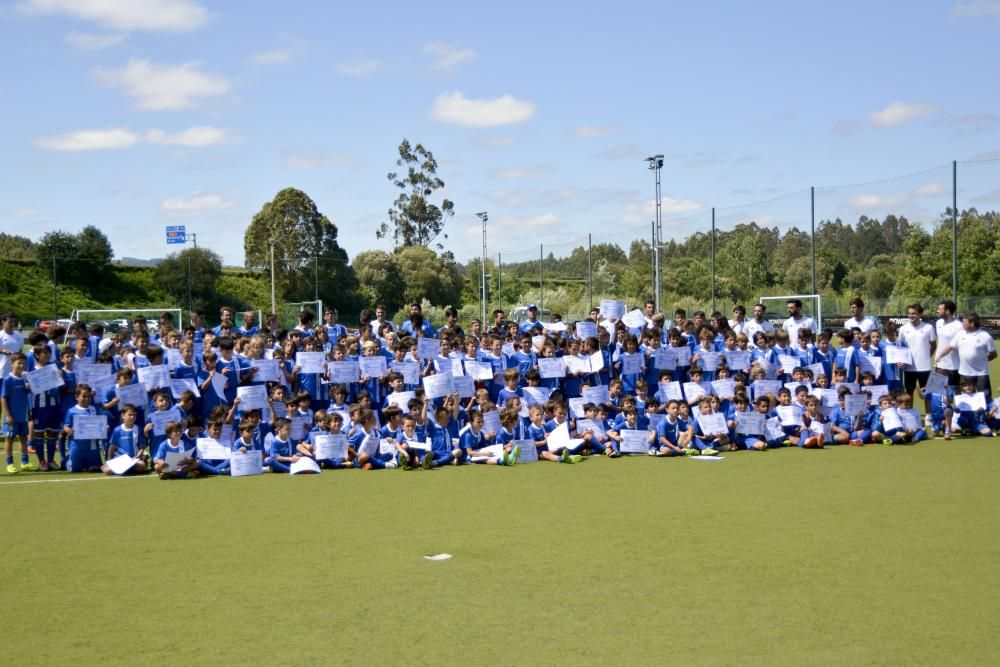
{"x":520,"y":314}
{"x":45,"y":325}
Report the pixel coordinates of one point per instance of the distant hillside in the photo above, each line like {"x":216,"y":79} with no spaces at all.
{"x":135,"y":261}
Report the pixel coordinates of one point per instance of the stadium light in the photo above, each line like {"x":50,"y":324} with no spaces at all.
{"x":655,"y":163}
{"x":482,"y":215}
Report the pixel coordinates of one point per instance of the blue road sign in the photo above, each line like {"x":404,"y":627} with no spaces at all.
{"x":176,"y":234}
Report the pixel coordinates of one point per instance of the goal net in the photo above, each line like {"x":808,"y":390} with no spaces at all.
{"x":115,"y":319}
{"x":288,"y":313}
{"x":777,"y":313}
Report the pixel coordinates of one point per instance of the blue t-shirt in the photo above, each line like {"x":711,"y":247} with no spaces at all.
{"x":126,"y":440}
{"x":14,"y":389}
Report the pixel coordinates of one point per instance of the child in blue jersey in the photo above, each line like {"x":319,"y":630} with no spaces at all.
{"x":126,"y":439}
{"x":523,"y":359}
{"x":443,"y":451}
{"x":365,"y":438}
{"x":750,"y":441}
{"x":228,"y":365}
{"x":630,"y":351}
{"x":538,"y":433}
{"x":560,"y":416}
{"x":673,"y":435}
{"x":841,"y":423}
{"x":82,"y":455}
{"x":187,"y":466}
{"x":46,"y":415}
{"x":281,"y":452}
{"x":15,"y":398}
{"x":476,"y":445}
{"x":904,"y":405}
{"x":165,"y":413}
{"x":213,"y":430}
{"x":973,"y":423}
{"x":111,"y":404}
{"x":629,"y":422}
{"x":512,"y":379}
{"x":510,"y":430}
{"x":247,"y":442}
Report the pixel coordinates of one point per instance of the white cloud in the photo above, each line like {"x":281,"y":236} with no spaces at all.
{"x":357,"y":68}
{"x":494,"y":140}
{"x":875,"y":201}
{"x":90,"y":140}
{"x":448,"y":56}
{"x":593,"y":131}
{"x":199,"y":135}
{"x":314,"y":161}
{"x":196,"y":203}
{"x":928,"y":190}
{"x":274,"y":56}
{"x":899,"y":113}
{"x":624,"y":152}
{"x":151,"y":15}
{"x":977,"y":8}
{"x":85,"y":41}
{"x":668,"y":205}
{"x":19,"y":212}
{"x":457,"y":109}
{"x":163,"y":87}
{"x":512,"y":174}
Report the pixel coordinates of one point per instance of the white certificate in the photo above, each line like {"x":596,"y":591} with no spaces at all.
{"x":428,"y":348}
{"x":179,"y":385}
{"x":765,"y":387}
{"x":576,"y":407}
{"x":121,"y":464}
{"x":816,"y":369}
{"x":713,"y":423}
{"x":268,"y":370}
{"x":373,"y":367}
{"x":304,"y":464}
{"x":910,"y":419}
{"x":970,"y":402}
{"x":528,"y":452}
{"x":709,"y":361}
{"x":160,"y":418}
{"x":772,"y":428}
{"x":682,"y":356}
{"x":174,"y":358}
{"x":219,"y":382}
{"x":535,"y":395}
{"x":724,"y":388}
{"x":90,"y":427}
{"x":132,"y":394}
{"x":577,"y":365}
{"x":410,"y":370}
{"x":245,"y":464}
{"x":299,"y":425}
{"x":670,"y":391}
{"x":93,"y":374}
{"x":44,"y":378}
{"x":491,"y":421}
{"x":631,"y":363}
{"x":211,"y":449}
{"x":330,"y":446}
{"x":344,"y":372}
{"x":634,"y":319}
{"x":174,"y":460}
{"x":634,"y":441}
{"x":551,"y":367}
{"x":596,"y":362}
{"x":738,"y":359}
{"x":478,"y":369}
{"x":252,"y":397}
{"x":401,"y":399}
{"x":464,"y":386}
{"x":750,"y":423}
{"x":439,"y":385}
{"x":937,"y":383}
{"x":592,"y":425}
{"x":891,"y":420}
{"x":154,"y":377}
{"x":311,"y":362}
{"x":898,"y":355}
{"x":870,"y":364}
{"x":855,"y":404}
{"x":612,"y":309}
{"x":586,"y":329}
{"x":693,"y":391}
{"x":554,"y":327}
{"x":664,"y":359}
{"x":790,"y":415}
{"x":788,"y":363}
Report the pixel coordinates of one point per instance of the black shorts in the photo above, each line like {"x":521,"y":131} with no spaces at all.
{"x":953,"y":376}
{"x":911,"y":378}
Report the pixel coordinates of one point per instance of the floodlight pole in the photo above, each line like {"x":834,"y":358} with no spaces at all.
{"x":655,"y":164}
{"x":274,"y":302}
{"x":954,"y":231}
{"x":482,"y":215}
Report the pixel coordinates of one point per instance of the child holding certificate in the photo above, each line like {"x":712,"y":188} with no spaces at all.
{"x":170,"y":461}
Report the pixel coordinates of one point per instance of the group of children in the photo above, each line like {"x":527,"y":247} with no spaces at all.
{"x":317,"y":397}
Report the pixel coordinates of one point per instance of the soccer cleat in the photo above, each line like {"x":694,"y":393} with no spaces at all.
{"x":55,"y":466}
{"x":222,"y":471}
{"x":29,"y":467}
{"x":514,"y":454}
{"x":12,"y":469}
{"x":565,"y":456}
{"x":691,"y":451}
{"x":575,"y":458}
{"x":887,"y":442}
{"x":427,"y":462}
{"x":708,"y":451}
{"x":947,"y":435}
{"x":855,"y":443}
{"x":43,"y":466}
{"x":505,"y":458}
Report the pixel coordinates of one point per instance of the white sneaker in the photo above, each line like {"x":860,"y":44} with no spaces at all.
{"x":391,"y":464}
{"x":265,"y":469}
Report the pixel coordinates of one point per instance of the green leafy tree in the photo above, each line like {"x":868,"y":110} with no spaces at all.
{"x":17,"y":247}
{"x":429,"y":275}
{"x":307,"y":256}
{"x":79,"y":258}
{"x":741,"y":267}
{"x":380,"y":279}
{"x":196,"y":268}
{"x":414,"y":220}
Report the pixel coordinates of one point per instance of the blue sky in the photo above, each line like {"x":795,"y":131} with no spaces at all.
{"x":136,"y":114}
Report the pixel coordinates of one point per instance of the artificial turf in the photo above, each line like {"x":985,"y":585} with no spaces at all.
{"x":844,"y":555}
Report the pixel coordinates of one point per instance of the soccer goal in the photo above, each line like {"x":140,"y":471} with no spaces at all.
{"x":288,"y":313}
{"x":115,"y":319}
{"x":812,"y":306}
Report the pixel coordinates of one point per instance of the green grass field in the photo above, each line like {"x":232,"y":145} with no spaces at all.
{"x":845,"y":555}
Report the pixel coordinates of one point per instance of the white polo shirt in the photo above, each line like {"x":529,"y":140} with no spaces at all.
{"x":918,"y":340}
{"x":974,"y":348}
{"x":10,"y":342}
{"x":946,"y":335}
{"x":792,"y":326}
{"x":866,"y":324}
{"x":751,"y":327}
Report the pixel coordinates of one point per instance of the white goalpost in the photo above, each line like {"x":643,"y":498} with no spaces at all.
{"x":812,"y":306}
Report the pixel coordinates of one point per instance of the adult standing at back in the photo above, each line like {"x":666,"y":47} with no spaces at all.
{"x":976,"y":349}
{"x":11,"y":342}
{"x":796,"y":321}
{"x":739,"y":322}
{"x":758,"y":323}
{"x":920,"y":339}
{"x":947,"y":327}
{"x":858,"y":319}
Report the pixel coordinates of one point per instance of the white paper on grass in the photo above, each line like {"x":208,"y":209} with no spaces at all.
{"x":410,"y":370}
{"x":90,"y":427}
{"x":303,"y":465}
{"x":267,"y":370}
{"x":551,"y":367}
{"x":714,"y":423}
{"x":428,"y":348}
{"x":252,"y":397}
{"x":750,"y":423}
{"x":491,"y":421}
{"x":179,"y":385}
{"x":898,"y":355}
{"x":438,"y":557}
{"x":154,"y":377}
{"x":724,"y":388}
{"x":707,"y":458}
{"x":210,"y":449}
{"x":634,"y":319}
{"x":634,"y":441}
{"x":671,"y":391}
{"x":121,"y":464}
{"x":330,"y":446}
{"x":174,"y":460}
{"x":311,"y":363}
{"x":612,"y":309}
{"x":970,"y":402}
{"x":528,"y":453}
{"x":132,"y":394}
{"x":246,"y":464}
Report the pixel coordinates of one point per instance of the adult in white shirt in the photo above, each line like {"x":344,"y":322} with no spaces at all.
{"x":858,"y":319}
{"x":739,"y":322}
{"x":648,"y":310}
{"x":919,"y":338}
{"x":947,"y":327}
{"x":10,"y":342}
{"x":758,"y":323}
{"x":380,"y":319}
{"x":976,"y":350}
{"x":796,"y":321}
